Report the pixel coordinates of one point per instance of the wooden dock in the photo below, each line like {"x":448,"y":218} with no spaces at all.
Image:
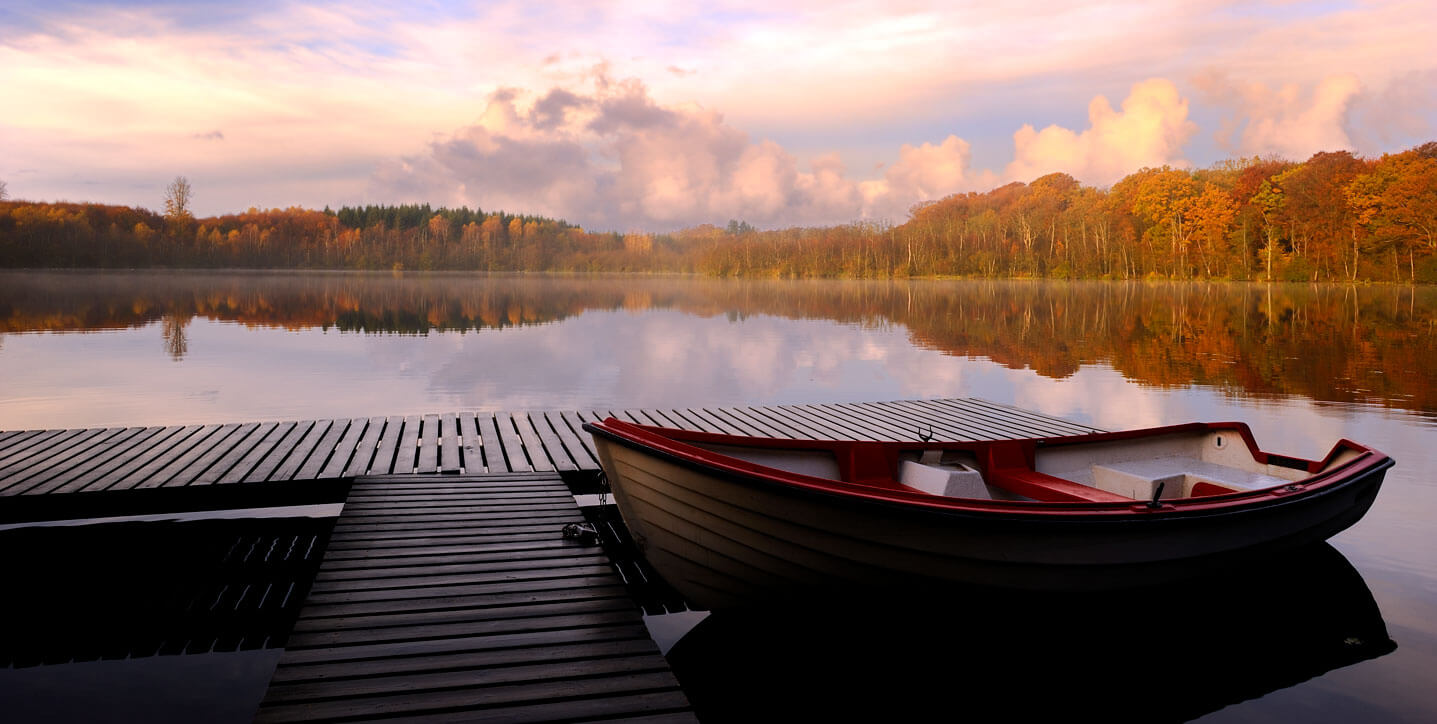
{"x":456,"y":598}
{"x":49,"y":462}
{"x":447,"y":591}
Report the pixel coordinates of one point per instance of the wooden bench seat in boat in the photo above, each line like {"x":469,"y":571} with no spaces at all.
{"x":1181,"y":476}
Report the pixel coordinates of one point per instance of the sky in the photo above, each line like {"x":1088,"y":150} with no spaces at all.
{"x":654,"y":116}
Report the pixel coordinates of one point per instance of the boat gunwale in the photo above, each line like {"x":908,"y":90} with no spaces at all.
{"x":672,"y":445}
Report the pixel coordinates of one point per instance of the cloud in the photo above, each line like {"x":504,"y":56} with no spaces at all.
{"x":311,"y":96}
{"x":923,"y":173}
{"x":1284,"y":120}
{"x":1150,"y":130}
{"x":608,"y":156}
{"x":215,"y":135}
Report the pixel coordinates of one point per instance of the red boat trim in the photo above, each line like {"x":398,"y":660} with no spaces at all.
{"x":861,"y":460}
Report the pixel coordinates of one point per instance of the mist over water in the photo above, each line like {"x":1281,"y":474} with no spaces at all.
{"x":1304,"y":365}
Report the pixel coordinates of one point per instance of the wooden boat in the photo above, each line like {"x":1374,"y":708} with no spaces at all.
{"x":728,"y":520}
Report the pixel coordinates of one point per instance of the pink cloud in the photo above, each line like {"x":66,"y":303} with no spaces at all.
{"x":1150,"y":130}
{"x":1285,"y":120}
{"x":611,"y":157}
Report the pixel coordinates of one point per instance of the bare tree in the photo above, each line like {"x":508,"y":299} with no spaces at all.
{"x":177,"y":199}
{"x":4,"y":193}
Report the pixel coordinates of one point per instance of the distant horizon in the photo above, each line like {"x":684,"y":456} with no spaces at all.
{"x":781,"y":114}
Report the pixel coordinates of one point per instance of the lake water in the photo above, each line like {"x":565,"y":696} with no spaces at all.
{"x":1304,"y":365}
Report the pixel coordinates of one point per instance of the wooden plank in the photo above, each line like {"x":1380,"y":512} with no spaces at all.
{"x":513,"y":446}
{"x":475,"y":651}
{"x":533,"y":445}
{"x":481,"y":698}
{"x":74,"y":445}
{"x":785,"y":426}
{"x":285,"y":450}
{"x":747,"y":427}
{"x":387,"y":556}
{"x":454,"y":526}
{"x":550,"y":590}
{"x":37,"y":445}
{"x":495,"y":457}
{"x":9,"y":437}
{"x":992,"y":426}
{"x":307,"y":446}
{"x":41,"y":479}
{"x":428,"y":459}
{"x":520,"y":670}
{"x":843,"y":427}
{"x":449,"y":460}
{"x":104,"y":460}
{"x":172,"y":445}
{"x":152,"y":472}
{"x":257,"y":454}
{"x":251,"y":436}
{"x":626,"y":416}
{"x":569,"y":422}
{"x":881,"y":421}
{"x":440,"y":490}
{"x":346,"y":450}
{"x":698,"y":421}
{"x":281,"y":451}
{"x":449,"y":499}
{"x":364,"y":450}
{"x":558,"y":452}
{"x":388,"y":447}
{"x":326,"y":448}
{"x":795,"y":415}
{"x":866,"y":425}
{"x":945,"y":425}
{"x":54,"y":442}
{"x":717,"y":423}
{"x":407,"y":453}
{"x":471,"y":452}
{"x":667,"y":418}
{"x":902,"y":423}
{"x":208,"y":464}
{"x":214,"y":440}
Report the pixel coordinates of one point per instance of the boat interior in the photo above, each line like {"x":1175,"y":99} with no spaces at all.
{"x":1172,"y":465}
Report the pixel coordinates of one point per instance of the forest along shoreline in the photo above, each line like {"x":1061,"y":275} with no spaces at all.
{"x":1335,"y":217}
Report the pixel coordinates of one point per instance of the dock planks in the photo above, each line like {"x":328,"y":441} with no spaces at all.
{"x":457,"y":598}
{"x":40,"y":462}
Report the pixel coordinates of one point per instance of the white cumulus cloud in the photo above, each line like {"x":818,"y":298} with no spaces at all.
{"x":1150,"y":130}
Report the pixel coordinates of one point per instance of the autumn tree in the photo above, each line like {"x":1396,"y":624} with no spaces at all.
{"x":1212,"y":214}
{"x":1165,"y":197}
{"x":1396,"y":204}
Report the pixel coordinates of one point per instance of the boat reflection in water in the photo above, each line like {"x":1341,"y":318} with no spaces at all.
{"x":1169,"y":653}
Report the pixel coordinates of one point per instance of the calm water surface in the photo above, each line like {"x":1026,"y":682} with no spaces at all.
{"x":1303,"y":365}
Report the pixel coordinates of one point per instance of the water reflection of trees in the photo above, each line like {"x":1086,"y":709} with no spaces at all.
{"x":176,"y":343}
{"x":1330,"y":343}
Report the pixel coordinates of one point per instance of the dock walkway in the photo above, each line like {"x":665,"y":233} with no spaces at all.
{"x":447,"y":591}
{"x":456,"y":598}
{"x":48,"y":462}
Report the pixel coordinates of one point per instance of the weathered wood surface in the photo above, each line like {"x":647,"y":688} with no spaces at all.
{"x":457,"y":598}
{"x":38,"y":462}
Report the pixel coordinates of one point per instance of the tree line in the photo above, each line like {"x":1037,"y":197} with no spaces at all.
{"x":1333,"y":217}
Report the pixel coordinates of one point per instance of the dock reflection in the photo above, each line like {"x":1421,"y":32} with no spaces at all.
{"x":1169,"y":653}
